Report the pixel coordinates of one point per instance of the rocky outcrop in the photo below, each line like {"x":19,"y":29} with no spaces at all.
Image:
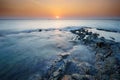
{"x":107,"y":54}
{"x":39,"y":30}
{"x":106,"y":66}
{"x":68,"y":69}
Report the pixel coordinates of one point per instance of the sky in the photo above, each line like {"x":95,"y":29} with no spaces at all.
{"x":61,"y":8}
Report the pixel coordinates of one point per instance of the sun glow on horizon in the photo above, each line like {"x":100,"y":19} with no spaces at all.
{"x":57,"y":17}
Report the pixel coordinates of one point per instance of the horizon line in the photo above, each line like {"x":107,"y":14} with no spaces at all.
{"x":86,"y":18}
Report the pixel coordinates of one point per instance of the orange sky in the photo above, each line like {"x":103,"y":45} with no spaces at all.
{"x":62,"y":8}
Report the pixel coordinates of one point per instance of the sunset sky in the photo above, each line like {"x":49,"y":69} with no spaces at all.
{"x":61,"y":8}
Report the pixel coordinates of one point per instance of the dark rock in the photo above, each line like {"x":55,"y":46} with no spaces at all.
{"x":100,"y":44}
{"x":89,"y":33}
{"x":82,"y":77}
{"x":95,"y":35}
{"x":107,"y":30}
{"x":102,"y":38}
{"x":112,"y":38}
{"x":40,"y":30}
{"x":99,"y":57}
{"x":46,"y":30}
{"x":36,"y":77}
{"x":115,"y":77}
{"x":108,"y":54}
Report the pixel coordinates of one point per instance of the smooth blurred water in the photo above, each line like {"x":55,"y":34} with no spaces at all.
{"x":24,"y":54}
{"x":38,"y":24}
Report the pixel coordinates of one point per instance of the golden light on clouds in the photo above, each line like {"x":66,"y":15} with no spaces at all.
{"x":64,"y":8}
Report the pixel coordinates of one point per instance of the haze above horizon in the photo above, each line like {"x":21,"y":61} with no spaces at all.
{"x":59,"y":8}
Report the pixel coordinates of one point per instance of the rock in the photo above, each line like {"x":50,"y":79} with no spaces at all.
{"x":99,"y":57}
{"x":109,"y":68}
{"x":106,"y":66}
{"x":81,"y":36}
{"x":46,"y":29}
{"x":89,"y":33}
{"x":86,"y":68}
{"x":55,"y":74}
{"x":71,"y":67}
{"x":102,"y":38}
{"x":100,"y":44}
{"x":100,"y":66}
{"x":108,"y":54}
{"x":115,"y":77}
{"x":82,"y":77}
{"x":35,"y":77}
{"x":112,"y":38}
{"x":67,"y":77}
{"x":64,"y":55}
{"x":95,"y":35}
{"x":76,"y":76}
{"x":40,"y":30}
{"x":73,"y":31}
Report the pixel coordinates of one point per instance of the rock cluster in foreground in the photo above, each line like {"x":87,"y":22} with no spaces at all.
{"x":106,"y":66}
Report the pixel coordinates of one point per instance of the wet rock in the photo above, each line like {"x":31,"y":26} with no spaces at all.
{"x":82,"y":77}
{"x":67,"y":77}
{"x":100,"y":66}
{"x":107,"y":30}
{"x":64,"y":55}
{"x":108,"y":54}
{"x":115,"y":77}
{"x":55,"y":74}
{"x":102,"y":38}
{"x":112,"y":38}
{"x":47,"y":30}
{"x":72,"y":67}
{"x":36,"y":77}
{"x":86,"y":68}
{"x":89,"y":33}
{"x":99,"y":57}
{"x":100,"y":44}
{"x":110,"y":63}
{"x":95,"y":35}
{"x":40,"y":30}
{"x":106,"y":66}
{"x":81,"y":36}
{"x":104,"y":44}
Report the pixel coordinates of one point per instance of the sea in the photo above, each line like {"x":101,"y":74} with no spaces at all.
{"x":29,"y":47}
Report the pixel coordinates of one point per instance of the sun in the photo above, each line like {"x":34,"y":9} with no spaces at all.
{"x":57,"y":17}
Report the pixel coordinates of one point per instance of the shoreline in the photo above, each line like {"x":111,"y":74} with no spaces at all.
{"x":98,"y":59}
{"x":106,"y":66}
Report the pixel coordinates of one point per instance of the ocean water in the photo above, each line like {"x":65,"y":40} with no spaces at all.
{"x":37,"y":24}
{"x":25,"y":52}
